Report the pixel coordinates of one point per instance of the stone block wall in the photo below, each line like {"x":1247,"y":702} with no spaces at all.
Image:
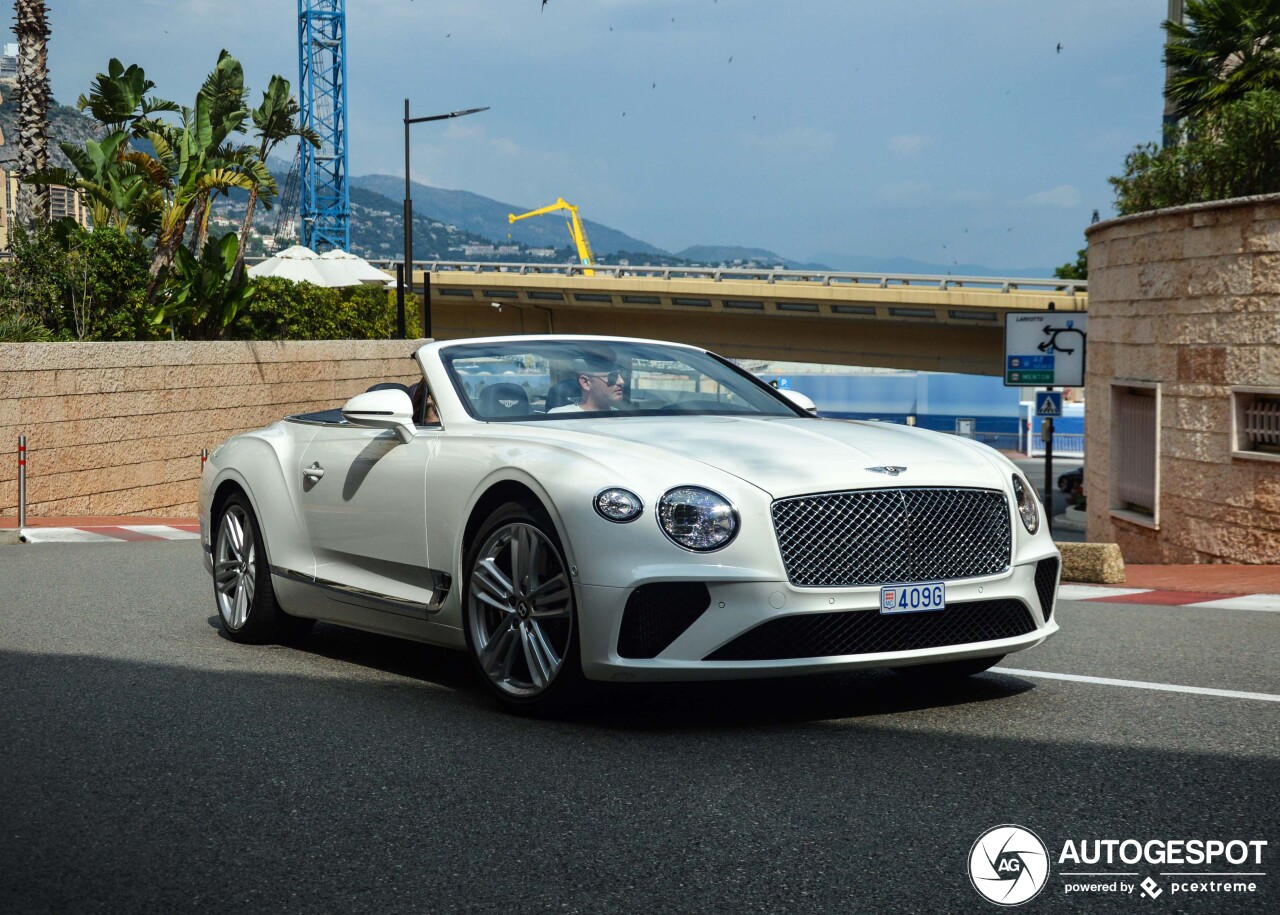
{"x":117,"y":428}
{"x":1188,"y":298}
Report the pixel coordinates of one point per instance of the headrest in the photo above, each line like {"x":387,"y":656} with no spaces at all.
{"x":499,"y":401}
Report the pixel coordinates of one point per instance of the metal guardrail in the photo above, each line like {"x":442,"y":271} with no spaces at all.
{"x":720,"y":274}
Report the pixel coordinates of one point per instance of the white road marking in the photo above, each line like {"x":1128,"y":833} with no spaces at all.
{"x":1267,"y":603}
{"x":64,"y":535}
{"x":162,"y":530}
{"x":1138,"y":684}
{"x":1089,"y":592}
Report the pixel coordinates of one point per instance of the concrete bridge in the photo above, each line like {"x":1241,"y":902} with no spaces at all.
{"x":935,"y":323}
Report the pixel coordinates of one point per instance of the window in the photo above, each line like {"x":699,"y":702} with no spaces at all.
{"x":1255,"y":423}
{"x":1135,"y":452}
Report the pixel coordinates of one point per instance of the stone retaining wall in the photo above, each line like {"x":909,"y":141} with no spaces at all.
{"x":1188,"y":299}
{"x":117,"y":428}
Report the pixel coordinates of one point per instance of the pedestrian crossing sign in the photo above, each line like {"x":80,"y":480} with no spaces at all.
{"x":1049,"y":403}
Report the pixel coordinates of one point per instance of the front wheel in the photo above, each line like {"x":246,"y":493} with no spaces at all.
{"x":242,"y":587}
{"x":948,"y":670}
{"x":520,"y":616}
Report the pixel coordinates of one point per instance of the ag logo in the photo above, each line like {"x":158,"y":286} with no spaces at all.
{"x":1008,"y":865}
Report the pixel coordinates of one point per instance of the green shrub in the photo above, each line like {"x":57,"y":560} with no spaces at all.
{"x":79,"y":285}
{"x":1233,"y":151}
{"x":16,"y":328}
{"x":284,"y":310}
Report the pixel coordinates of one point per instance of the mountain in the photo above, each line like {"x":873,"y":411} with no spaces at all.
{"x":731,"y":254}
{"x":486,"y":217}
{"x":861,"y":263}
{"x":65,"y":124}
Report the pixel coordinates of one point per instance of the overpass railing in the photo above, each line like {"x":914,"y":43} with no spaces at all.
{"x":720,"y":274}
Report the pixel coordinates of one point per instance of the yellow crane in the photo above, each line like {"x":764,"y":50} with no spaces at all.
{"x":576,"y":230}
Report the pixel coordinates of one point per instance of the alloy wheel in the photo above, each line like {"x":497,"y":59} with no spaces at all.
{"x":520,"y":610}
{"x":235,"y":567}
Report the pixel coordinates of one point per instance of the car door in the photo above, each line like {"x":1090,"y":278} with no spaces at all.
{"x":364,"y":507}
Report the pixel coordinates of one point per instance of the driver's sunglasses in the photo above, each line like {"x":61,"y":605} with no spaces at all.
{"x":610,"y":379}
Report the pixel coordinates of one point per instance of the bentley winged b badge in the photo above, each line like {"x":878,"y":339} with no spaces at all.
{"x":890,"y":470}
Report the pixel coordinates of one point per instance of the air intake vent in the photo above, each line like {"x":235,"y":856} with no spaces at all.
{"x":824,"y":635}
{"x":1047,"y":584}
{"x":657,"y":614}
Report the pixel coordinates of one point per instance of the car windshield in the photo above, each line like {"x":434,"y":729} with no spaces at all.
{"x":556,"y":380}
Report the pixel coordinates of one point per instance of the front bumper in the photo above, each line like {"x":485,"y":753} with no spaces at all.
{"x":738,"y":607}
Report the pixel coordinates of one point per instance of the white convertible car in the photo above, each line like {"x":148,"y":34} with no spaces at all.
{"x":589,"y":508}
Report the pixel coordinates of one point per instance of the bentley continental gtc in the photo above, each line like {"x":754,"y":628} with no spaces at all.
{"x":574,"y":509}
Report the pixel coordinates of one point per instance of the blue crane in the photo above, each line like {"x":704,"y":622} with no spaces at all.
{"x":322,"y":65}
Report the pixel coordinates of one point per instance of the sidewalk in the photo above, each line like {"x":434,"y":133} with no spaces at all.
{"x":99,"y":529}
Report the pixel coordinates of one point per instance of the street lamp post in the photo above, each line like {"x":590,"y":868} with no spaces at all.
{"x":406,"y":277}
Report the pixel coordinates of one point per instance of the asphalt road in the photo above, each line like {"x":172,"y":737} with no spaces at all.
{"x":149,"y":765}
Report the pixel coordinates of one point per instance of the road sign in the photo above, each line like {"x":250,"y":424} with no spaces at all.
{"x":1049,"y":403}
{"x":1044,"y":348}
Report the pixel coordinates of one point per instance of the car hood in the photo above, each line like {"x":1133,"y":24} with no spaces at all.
{"x":788,"y":457}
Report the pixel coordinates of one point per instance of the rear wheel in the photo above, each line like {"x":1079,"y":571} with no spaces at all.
{"x":520,"y":615}
{"x":948,"y":670}
{"x":242,"y":587}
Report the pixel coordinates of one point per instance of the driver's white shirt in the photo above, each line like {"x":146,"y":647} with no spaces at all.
{"x":568,"y":408}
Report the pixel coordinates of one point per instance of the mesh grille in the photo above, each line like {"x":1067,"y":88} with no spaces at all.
{"x":1047,"y":584}
{"x":821,"y":635}
{"x":893,"y":536}
{"x":656,"y":615}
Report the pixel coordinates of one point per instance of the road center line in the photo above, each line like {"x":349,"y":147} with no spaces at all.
{"x":1138,"y":684}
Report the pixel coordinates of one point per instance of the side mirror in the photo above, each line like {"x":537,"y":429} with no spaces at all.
{"x":381,"y":410}
{"x":804,"y":403}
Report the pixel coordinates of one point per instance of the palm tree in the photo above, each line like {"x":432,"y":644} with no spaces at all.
{"x":275,"y":120}
{"x":120,"y":184}
{"x":191,"y":157}
{"x":32,"y":28}
{"x":1222,"y":50}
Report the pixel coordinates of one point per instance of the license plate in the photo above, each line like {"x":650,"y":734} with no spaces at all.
{"x":920,"y":597}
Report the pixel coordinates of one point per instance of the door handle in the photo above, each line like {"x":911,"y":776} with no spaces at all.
{"x":314,"y":472}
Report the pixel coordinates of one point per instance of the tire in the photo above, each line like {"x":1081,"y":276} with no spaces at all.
{"x":947,"y":670}
{"x":520,"y":613}
{"x":242,"y":591}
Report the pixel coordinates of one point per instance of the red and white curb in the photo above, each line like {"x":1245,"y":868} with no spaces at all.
{"x":110,"y":534}
{"x":1267,"y":603}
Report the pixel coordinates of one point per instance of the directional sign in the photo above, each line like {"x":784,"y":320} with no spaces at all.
{"x":1044,"y":348}
{"x":1049,"y":403}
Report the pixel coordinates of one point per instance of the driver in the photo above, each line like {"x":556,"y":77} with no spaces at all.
{"x":603,"y":386}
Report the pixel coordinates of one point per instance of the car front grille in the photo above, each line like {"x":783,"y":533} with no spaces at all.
{"x":892,"y":536}
{"x":823,"y":635}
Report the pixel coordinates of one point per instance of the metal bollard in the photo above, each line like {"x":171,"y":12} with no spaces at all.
{"x":22,"y":482}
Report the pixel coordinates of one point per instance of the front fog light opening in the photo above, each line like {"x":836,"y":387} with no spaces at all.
{"x":618,"y":505}
{"x":1028,"y":506}
{"x":697,"y":519}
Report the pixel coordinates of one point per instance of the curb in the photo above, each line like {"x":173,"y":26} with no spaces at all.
{"x":1267,"y":603}
{"x":10,"y":536}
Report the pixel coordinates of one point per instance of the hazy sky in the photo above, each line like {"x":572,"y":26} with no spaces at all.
{"x":942,"y":131}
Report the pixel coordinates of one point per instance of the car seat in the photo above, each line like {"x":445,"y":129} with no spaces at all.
{"x":500,"y":401}
{"x":563,"y":393}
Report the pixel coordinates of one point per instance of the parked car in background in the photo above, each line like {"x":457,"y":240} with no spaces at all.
{"x":609,"y":509}
{"x":1068,"y":481}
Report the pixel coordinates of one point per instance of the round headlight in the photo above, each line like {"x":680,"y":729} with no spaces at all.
{"x":620,"y":505}
{"x":1028,"y":505}
{"x":697,"y":519}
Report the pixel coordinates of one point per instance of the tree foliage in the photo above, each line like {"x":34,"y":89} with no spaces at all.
{"x":1079,"y":270}
{"x":1221,"y":51}
{"x":1230,"y":151}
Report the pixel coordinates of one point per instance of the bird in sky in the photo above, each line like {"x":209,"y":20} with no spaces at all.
{"x":730,"y":60}
{"x":544,"y":4}
{"x":654,"y":86}
{"x":1059,"y":47}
